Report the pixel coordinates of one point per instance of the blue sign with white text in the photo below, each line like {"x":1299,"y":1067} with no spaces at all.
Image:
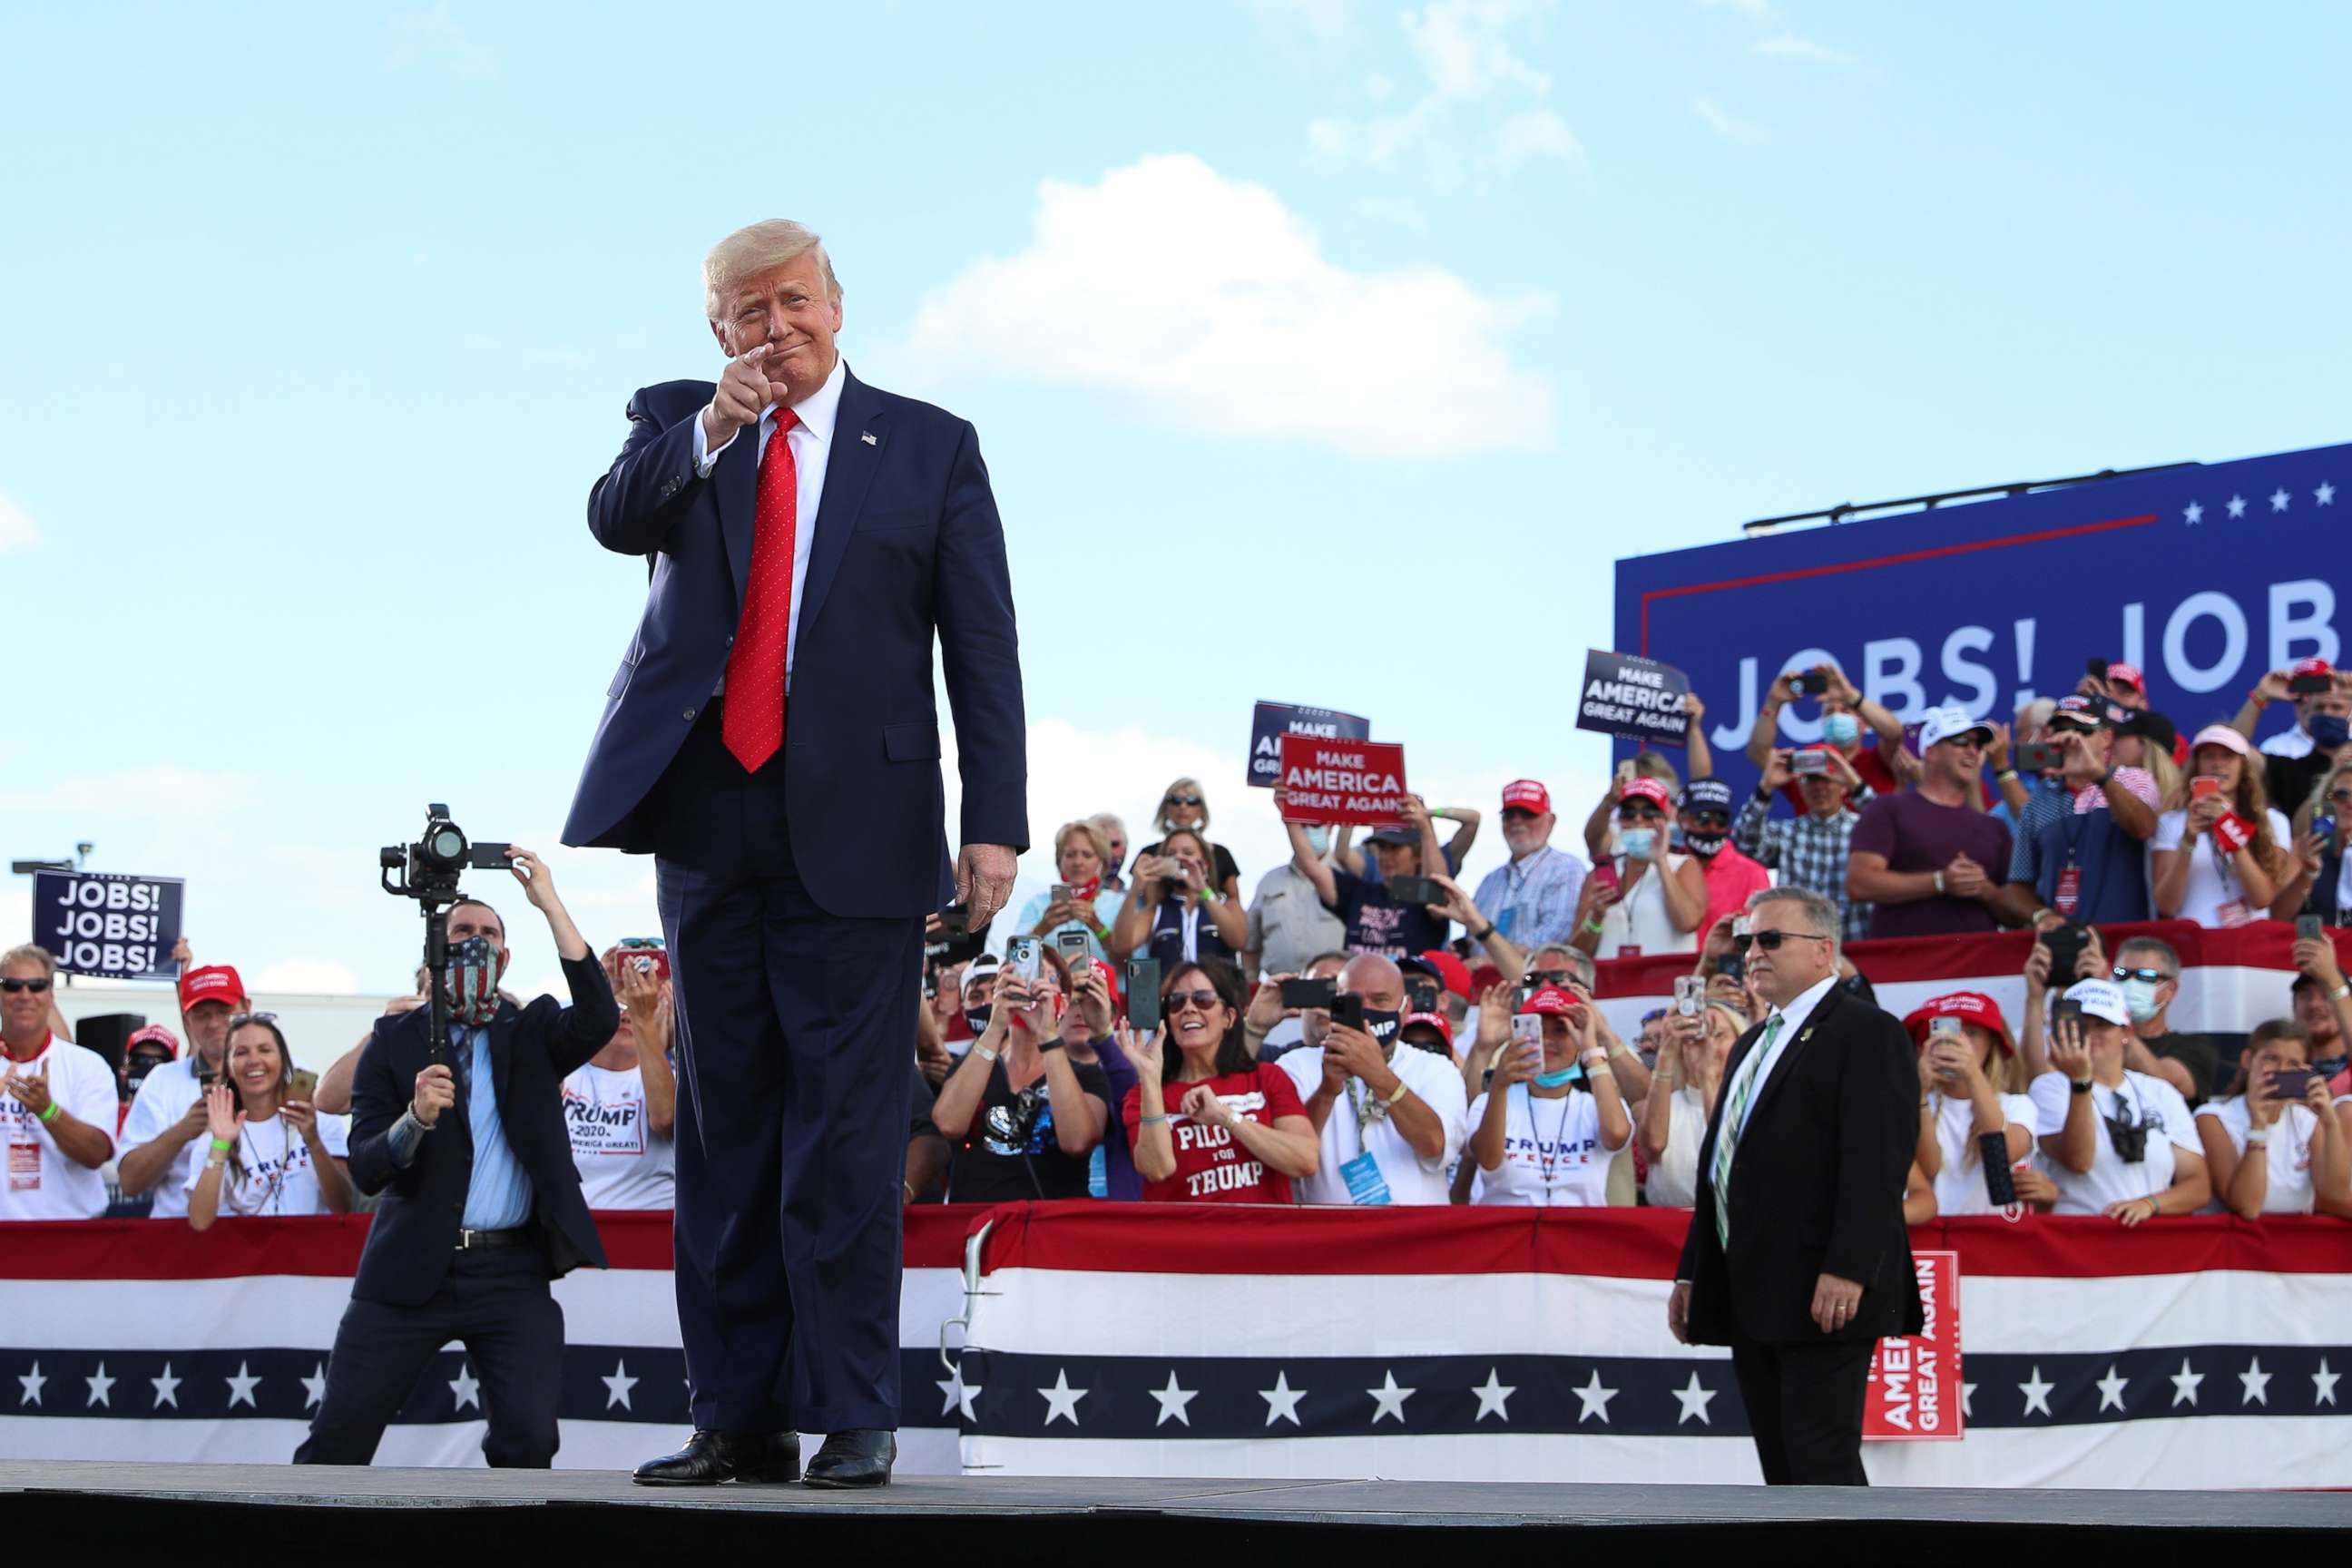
{"x":2203,"y":576}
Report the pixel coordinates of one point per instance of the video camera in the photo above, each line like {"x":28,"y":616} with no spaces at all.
{"x":428,"y":871}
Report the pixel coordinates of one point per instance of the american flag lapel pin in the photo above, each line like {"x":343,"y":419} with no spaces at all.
{"x":868,"y":436}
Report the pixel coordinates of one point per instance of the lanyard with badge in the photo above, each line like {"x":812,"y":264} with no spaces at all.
{"x":24,"y":1141}
{"x":1366,"y":1185}
{"x":1547,"y":1162}
{"x":2067,"y":897}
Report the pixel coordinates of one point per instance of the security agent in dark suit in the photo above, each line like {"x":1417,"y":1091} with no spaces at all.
{"x":811,"y":539}
{"x":481,"y":1208}
{"x":1797,"y":1256}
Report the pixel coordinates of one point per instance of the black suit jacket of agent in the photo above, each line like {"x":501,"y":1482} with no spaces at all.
{"x":414,"y":1238}
{"x":1816,"y":1186}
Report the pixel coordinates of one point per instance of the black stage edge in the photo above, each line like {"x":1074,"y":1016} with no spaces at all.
{"x":436,"y":1517}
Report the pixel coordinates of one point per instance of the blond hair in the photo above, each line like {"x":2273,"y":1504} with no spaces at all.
{"x":1094,"y":835}
{"x":761,"y":248}
{"x":32,"y":953}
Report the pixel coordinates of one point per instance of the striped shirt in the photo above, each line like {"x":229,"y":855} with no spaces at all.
{"x":1808,"y":852}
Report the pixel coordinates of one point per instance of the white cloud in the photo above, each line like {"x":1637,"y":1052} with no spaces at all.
{"x":165,"y":790}
{"x":16,"y":530}
{"x":436,"y":37}
{"x":1472,"y":70}
{"x":1208,"y":303}
{"x":1796,"y":46}
{"x":313,"y":976}
{"x":1724,"y":124}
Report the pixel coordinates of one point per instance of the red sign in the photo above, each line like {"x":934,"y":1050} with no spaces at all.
{"x":1914,"y":1384}
{"x":1342,"y":781}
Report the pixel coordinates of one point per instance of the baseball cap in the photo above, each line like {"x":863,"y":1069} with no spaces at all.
{"x":1527,"y":794}
{"x":1706,"y":795}
{"x":2100,"y":999}
{"x":1447,"y":969}
{"x":213,"y":983}
{"x":1950,"y":722}
{"x":2312,"y":667}
{"x":1651,"y":790}
{"x":980,"y":968}
{"x":2128,"y":675}
{"x":1395,"y":833}
{"x":2150,"y":725}
{"x":1437,"y":1021}
{"x":1553,"y":1001}
{"x":2223,"y":736}
{"x":1968,"y":1007}
{"x":2082,"y":709}
{"x":153,"y":1035}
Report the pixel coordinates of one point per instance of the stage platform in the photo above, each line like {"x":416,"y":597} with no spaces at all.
{"x":439,"y":1516}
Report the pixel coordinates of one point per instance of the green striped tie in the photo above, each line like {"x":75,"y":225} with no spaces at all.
{"x":1735,"y":1117}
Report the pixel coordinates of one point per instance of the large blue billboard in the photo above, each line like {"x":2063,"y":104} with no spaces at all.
{"x":2203,"y":576}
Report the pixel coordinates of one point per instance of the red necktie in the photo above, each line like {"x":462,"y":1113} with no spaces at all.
{"x":753,"y":724}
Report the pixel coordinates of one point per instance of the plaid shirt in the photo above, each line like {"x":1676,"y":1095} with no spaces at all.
{"x":1808,"y":852}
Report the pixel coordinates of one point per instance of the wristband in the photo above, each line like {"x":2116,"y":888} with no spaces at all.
{"x":984,"y":1054}
{"x":1939,"y":881}
{"x":1401,"y":1092}
{"x":1052,"y":1045}
{"x":1595,"y":927}
{"x":1763,"y":796}
{"x":2004,"y":775}
{"x":2106,"y":778}
{"x":2341,"y":992}
{"x":1596,"y":1058}
{"x":216,"y":1162}
{"x":53,"y":1113}
{"x":1148,"y":1120}
{"x":222,"y":1145}
{"x":2082,"y":1088}
{"x":1482,"y":935}
{"x":2256,"y":1137}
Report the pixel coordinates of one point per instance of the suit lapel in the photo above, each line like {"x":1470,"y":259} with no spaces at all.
{"x":1731,"y":1064}
{"x":849,"y":465}
{"x":1786,"y":1067}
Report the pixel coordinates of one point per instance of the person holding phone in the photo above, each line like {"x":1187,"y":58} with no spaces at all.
{"x":2119,"y":1142}
{"x":158,"y":1150}
{"x":1862,"y":732}
{"x":1976,"y":1087}
{"x":2220,"y":860}
{"x":1809,"y":850}
{"x":1177,"y":913}
{"x":621,"y":1106}
{"x":269,"y":1153}
{"x":1184,"y":807}
{"x":1025,"y":1117}
{"x":1389,"y":1121}
{"x":1649,"y":898}
{"x":2322,"y":699}
{"x":2319,"y":874}
{"x":1375,"y":919}
{"x":1078,"y":902}
{"x":1208,"y":1122}
{"x":2273,"y":1143}
{"x":1544,"y":1131}
{"x":1682,"y":1096}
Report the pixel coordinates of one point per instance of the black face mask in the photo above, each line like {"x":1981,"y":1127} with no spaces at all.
{"x":976,"y":1020}
{"x":1703,"y":845}
{"x":1381,"y":1026}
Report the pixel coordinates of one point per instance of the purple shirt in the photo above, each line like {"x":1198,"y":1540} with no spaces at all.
{"x":1915,"y":834}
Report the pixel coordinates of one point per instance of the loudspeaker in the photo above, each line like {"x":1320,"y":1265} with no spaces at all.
{"x":108,"y":1034}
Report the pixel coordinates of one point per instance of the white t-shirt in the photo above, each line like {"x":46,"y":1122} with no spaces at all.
{"x":1552,"y":1156}
{"x":2294,"y":742}
{"x":1673,"y":1175}
{"x":2109,"y":1179}
{"x":624,"y":1164}
{"x":1404,"y":1177}
{"x":2290,"y":1190}
{"x":2212,"y":886}
{"x":1961,"y":1184}
{"x":163,"y":1096}
{"x":1639,"y":922}
{"x":42,"y":1183}
{"x":278,"y":1177}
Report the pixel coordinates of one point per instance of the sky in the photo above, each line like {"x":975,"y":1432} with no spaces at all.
{"x":1320,"y":353}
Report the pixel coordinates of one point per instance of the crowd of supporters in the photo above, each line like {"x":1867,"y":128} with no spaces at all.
{"x":1358,"y":1027}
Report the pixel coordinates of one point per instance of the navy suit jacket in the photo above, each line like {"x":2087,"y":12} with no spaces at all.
{"x":413,"y":1239}
{"x":907,"y":547}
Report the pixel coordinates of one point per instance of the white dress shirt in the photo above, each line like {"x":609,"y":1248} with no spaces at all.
{"x":1793,"y":1024}
{"x":811,"y":443}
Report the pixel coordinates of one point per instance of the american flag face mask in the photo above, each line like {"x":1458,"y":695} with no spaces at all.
{"x":472,"y":982}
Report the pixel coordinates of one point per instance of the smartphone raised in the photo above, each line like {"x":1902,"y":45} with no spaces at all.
{"x":1307,"y":992}
{"x":2097,"y":668}
{"x":1801,"y":764}
{"x":1812,"y":683}
{"x":956,"y":919}
{"x":2065,"y":944}
{"x":2039,"y":757}
{"x":2290,"y":1083}
{"x":2202,"y":786}
{"x":1025,"y":957}
{"x":2309,"y":928}
{"x":1143,"y":993}
{"x":304,"y":1085}
{"x":1072,"y":946}
{"x":2309,"y":685}
{"x":1347,"y":1010}
{"x":1415,"y":890}
{"x":1690,"y":995}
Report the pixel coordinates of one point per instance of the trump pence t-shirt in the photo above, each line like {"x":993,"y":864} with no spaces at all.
{"x":1212,"y":1165}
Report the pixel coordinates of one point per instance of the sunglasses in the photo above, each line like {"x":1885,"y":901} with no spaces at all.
{"x":2061,"y":727}
{"x":2153,"y":976}
{"x":1710,"y":818}
{"x":242,"y":1019}
{"x":2341,"y":794}
{"x":1183,"y":800}
{"x":1770,"y":941}
{"x":12,"y":987}
{"x":652,"y":942}
{"x":1640,"y":809}
{"x":1550,"y":976}
{"x":1176,"y":1001}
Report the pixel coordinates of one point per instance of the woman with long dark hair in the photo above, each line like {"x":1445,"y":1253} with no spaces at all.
{"x":270,"y":1154}
{"x":1222,"y":1127}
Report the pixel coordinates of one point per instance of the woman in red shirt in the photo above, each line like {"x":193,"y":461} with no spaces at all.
{"x":1224,"y":1127}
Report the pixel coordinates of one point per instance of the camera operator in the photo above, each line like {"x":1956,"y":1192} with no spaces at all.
{"x":1177,"y":914}
{"x":270,"y":1152}
{"x":482,"y":1205}
{"x":57,"y":1100}
{"x":1389,"y":1121}
{"x":2120,"y":1143}
{"x":167,"y":1120}
{"x":621,"y":1107}
{"x":1809,"y":850}
{"x":2299,"y":1163}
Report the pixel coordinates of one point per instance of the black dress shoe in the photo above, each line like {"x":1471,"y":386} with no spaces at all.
{"x":854,"y":1459}
{"x":758,"y":1459}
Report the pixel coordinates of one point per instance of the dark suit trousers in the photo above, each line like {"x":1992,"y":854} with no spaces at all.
{"x":498,"y":1305}
{"x":796,"y":1040}
{"x":1804,"y":1407}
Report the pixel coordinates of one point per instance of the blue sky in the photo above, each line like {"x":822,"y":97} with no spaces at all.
{"x":1320,"y":353}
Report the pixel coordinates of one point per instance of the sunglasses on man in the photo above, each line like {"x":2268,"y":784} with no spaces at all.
{"x":2153,"y":976}
{"x":1770,"y":941}
{"x":12,"y":987}
{"x":1639,"y":810}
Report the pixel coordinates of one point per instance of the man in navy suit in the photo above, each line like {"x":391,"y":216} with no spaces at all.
{"x":773,"y":739}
